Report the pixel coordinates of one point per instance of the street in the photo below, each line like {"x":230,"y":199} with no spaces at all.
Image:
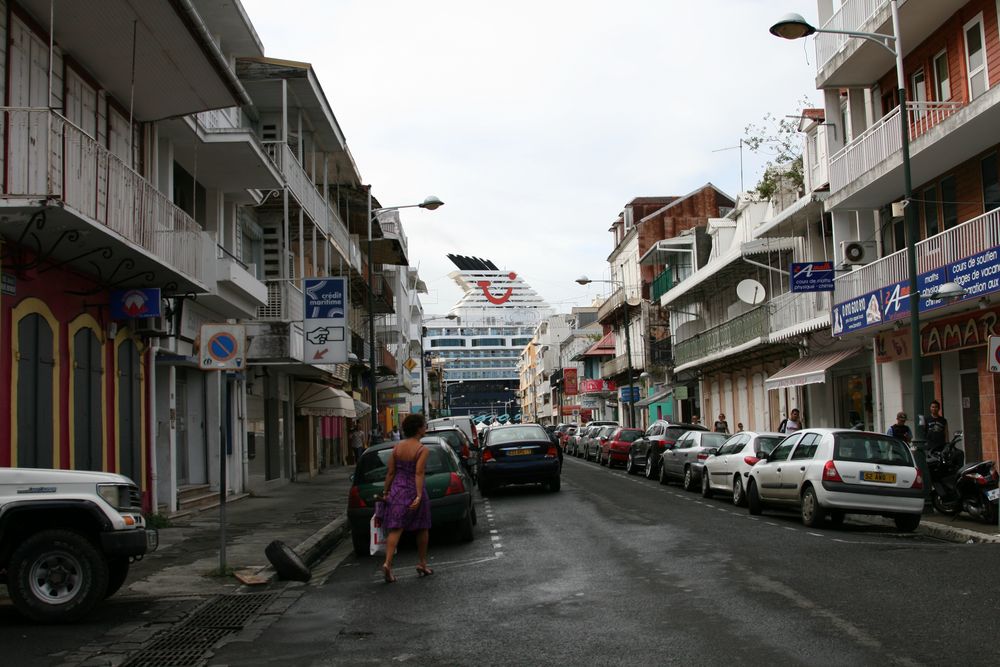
{"x":619,"y":570}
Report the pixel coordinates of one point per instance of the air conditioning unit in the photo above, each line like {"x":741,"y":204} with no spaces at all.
{"x":151,"y":326}
{"x":858,"y":252}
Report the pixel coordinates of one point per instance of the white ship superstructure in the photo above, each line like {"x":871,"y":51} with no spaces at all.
{"x":480,"y":345}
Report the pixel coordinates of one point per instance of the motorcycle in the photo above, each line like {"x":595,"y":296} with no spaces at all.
{"x":957,"y":487}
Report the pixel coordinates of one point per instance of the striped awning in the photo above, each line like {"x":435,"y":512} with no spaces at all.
{"x":808,"y":370}
{"x":321,"y":401}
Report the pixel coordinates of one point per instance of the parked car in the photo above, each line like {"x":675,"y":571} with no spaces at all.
{"x":460,"y":443}
{"x":448,"y":485}
{"x":597,"y":440}
{"x":727,"y":471}
{"x":518,"y":454}
{"x":833,"y":472}
{"x":686,"y":459}
{"x":585,"y":442}
{"x":644,"y":454}
{"x":463,"y":422}
{"x":615,"y":447}
{"x":569,"y":442}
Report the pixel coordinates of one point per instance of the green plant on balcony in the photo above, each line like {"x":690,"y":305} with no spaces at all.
{"x":779,"y":140}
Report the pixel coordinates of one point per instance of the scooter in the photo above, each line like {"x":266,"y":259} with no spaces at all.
{"x":955,"y":487}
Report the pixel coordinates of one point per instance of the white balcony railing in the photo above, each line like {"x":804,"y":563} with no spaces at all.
{"x":793,"y":309}
{"x":852,"y":15}
{"x":393,"y":228}
{"x":220,"y":119}
{"x":953,"y":245}
{"x":70,"y":166}
{"x":299,"y":183}
{"x":884,"y":139}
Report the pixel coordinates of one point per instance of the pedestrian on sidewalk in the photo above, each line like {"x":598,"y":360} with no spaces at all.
{"x":394,"y":434}
{"x":407,"y":504}
{"x":792,"y":423}
{"x":357,"y":442}
{"x":721,"y":425}
{"x":900,"y":429}
{"x":937,"y":427}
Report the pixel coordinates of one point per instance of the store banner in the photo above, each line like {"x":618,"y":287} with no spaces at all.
{"x":947,"y":334}
{"x":569,"y":382}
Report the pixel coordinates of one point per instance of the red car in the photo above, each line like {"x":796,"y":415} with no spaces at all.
{"x":615,"y":448}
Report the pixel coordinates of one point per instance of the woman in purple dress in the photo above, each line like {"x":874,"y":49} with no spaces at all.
{"x":407,"y":504}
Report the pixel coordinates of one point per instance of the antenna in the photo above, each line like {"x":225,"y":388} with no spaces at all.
{"x":732,"y":148}
{"x":750,"y":291}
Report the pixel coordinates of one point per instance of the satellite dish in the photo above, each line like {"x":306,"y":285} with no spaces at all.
{"x":750,"y":291}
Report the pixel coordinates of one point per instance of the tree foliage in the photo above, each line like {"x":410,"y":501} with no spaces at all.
{"x":779,"y":140}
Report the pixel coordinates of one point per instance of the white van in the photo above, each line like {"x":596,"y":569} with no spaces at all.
{"x":461,"y":422}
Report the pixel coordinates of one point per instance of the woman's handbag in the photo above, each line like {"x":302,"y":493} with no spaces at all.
{"x":376,"y":532}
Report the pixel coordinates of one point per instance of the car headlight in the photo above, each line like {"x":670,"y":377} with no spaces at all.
{"x":115,"y":495}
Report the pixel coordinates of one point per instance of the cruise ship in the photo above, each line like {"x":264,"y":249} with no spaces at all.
{"x":480,"y":339}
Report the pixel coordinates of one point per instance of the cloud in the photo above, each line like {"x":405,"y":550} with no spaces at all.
{"x":537,"y":121}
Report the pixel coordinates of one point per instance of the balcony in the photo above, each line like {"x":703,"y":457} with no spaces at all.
{"x":299,"y":183}
{"x":793,"y":314}
{"x":846,"y":62}
{"x":746,"y":330}
{"x":391,"y":248}
{"x":855,"y":161}
{"x":85,"y":188}
{"x":612,"y":306}
{"x":661,"y":285}
{"x":938,"y":256}
{"x":387,"y":361}
{"x":236,"y":291}
{"x":284,"y":302}
{"x":619,"y":365}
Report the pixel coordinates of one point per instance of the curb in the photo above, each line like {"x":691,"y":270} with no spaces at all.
{"x":316,"y":545}
{"x":939,"y":531}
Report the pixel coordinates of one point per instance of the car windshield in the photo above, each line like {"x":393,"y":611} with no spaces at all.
{"x":871,"y":448}
{"x":375,"y":464}
{"x":766,"y":444}
{"x":629,"y":436}
{"x":674,"y":432}
{"x":452,"y":437}
{"x":713,"y":439}
{"x":516,"y":434}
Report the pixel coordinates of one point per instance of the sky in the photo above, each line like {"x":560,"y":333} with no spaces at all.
{"x":537,"y":121}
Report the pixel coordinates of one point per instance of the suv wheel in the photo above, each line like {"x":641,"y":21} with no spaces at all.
{"x":56,"y":575}
{"x":117,"y":573}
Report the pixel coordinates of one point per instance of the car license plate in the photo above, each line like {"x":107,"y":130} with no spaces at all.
{"x":520,"y":452}
{"x":993,"y":494}
{"x":885,"y":477}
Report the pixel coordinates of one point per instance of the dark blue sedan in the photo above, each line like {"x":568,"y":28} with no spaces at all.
{"x":518,"y":454}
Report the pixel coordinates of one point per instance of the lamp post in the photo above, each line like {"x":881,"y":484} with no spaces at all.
{"x":430,"y":203}
{"x":626,"y":320}
{"x":793,"y":26}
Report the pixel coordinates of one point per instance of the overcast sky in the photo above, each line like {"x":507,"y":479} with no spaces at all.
{"x":536,"y":122}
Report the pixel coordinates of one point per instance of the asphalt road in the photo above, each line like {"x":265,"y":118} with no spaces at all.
{"x":620,"y":570}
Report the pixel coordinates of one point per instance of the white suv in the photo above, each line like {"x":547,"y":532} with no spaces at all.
{"x":836,"y":472}
{"x":67,"y":538}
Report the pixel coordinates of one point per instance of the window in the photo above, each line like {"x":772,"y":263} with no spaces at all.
{"x":807,"y":448}
{"x":871,"y":448}
{"x":765,"y":445}
{"x":80,"y":103}
{"x":918,"y":93}
{"x":782,"y":451}
{"x":975,"y":57}
{"x":930,"y":212}
{"x":942,"y":78}
{"x":949,"y":202}
{"x":991,"y":184}
{"x":447,"y":342}
{"x":130,"y":411}
{"x":480,"y":342}
{"x":35,"y":360}
{"x":87,"y":424}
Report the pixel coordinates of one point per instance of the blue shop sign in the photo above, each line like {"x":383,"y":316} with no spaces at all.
{"x":863,"y":311}
{"x":135,"y":303}
{"x":812,"y":276}
{"x":978,"y":274}
{"x":896,"y":298}
{"x":628,"y":394}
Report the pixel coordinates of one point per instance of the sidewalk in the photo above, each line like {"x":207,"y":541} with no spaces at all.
{"x":309,"y":515}
{"x":961,"y":528}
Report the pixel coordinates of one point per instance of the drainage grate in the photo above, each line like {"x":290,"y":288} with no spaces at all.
{"x":186,"y":644}
{"x":230,"y":611}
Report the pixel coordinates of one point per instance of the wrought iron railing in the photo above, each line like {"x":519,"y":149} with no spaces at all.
{"x":737,"y":331}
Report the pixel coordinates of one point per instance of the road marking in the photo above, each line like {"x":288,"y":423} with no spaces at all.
{"x":494,"y":537}
{"x":494,"y":531}
{"x":816,"y":534}
{"x":789,"y":528}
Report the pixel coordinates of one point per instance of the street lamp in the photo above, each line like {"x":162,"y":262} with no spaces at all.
{"x":793,"y":26}
{"x":430,"y":203}
{"x":584,"y":280}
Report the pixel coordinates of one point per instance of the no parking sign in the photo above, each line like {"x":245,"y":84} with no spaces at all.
{"x":995,"y":354}
{"x":222,"y":347}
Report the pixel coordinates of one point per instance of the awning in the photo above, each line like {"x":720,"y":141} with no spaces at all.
{"x":656,"y":398}
{"x":361,"y":408}
{"x":321,"y":401}
{"x":808,"y":370}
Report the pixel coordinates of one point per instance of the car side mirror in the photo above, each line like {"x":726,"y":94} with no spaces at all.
{"x":712,"y":451}
{"x":762,"y":456}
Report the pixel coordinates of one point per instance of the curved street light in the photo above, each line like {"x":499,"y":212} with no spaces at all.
{"x":430,"y":203}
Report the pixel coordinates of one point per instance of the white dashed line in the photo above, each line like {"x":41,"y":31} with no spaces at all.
{"x":816,"y":534}
{"x":494,"y":537}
